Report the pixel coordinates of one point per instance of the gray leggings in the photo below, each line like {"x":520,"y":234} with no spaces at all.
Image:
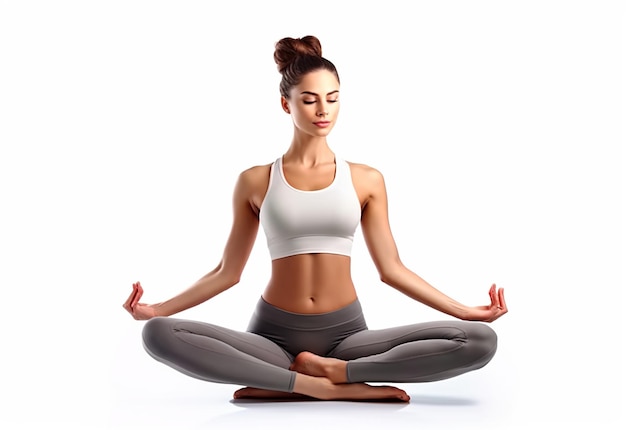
{"x":261,"y":356}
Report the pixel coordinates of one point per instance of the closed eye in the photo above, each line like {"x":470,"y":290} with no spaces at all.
{"x":327,"y":101}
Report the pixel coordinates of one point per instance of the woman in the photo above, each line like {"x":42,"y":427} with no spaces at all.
{"x":307,"y":336}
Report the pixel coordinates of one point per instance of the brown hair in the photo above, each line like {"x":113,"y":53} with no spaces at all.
{"x":297,"y":57}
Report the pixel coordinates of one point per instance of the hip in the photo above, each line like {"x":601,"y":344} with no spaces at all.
{"x":318,"y":333}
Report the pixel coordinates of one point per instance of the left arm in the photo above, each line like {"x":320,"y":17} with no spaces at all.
{"x":382,"y":248}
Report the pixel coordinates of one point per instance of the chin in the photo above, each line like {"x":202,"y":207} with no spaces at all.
{"x":322,"y":132}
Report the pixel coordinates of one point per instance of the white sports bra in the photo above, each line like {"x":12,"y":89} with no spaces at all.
{"x":307,"y":222}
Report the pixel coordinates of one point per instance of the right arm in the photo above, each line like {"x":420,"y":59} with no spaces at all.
{"x":228,"y":271}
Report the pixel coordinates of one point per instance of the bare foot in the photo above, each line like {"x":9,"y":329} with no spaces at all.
{"x":360,"y":391}
{"x":314,"y":365}
{"x":324,"y":389}
{"x":259,"y":393}
{"x":324,"y":378}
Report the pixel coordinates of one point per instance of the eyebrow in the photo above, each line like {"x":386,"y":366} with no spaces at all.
{"x":315,"y":94}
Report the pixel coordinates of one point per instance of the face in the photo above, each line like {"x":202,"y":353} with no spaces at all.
{"x":314,"y":103}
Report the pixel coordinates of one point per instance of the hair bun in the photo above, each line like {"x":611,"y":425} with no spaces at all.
{"x":288,"y":49}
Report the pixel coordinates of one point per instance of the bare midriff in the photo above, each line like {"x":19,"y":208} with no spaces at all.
{"x":310,"y":283}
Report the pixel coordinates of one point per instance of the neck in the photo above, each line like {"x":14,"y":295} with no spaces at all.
{"x":309,"y":150}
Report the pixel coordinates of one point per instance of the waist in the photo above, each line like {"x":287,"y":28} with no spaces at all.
{"x":317,"y":333}
{"x":318,"y":321}
{"x":310,"y":283}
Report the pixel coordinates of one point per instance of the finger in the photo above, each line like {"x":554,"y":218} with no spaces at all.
{"x":133,"y":300}
{"x":129,"y":301}
{"x":502,"y":301}
{"x":498,"y":298}
{"x":137,"y":296}
{"x":492,"y":295}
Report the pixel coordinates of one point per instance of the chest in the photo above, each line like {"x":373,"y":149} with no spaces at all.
{"x":309,"y":179}
{"x":324,"y":203}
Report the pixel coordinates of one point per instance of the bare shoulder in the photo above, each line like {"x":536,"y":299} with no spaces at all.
{"x":253,"y":183}
{"x":255,"y":173}
{"x":366,"y":175}
{"x":368,"y":182}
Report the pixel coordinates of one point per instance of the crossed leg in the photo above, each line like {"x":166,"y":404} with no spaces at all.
{"x":311,"y":368}
{"x":212,"y":353}
{"x":414,"y":353}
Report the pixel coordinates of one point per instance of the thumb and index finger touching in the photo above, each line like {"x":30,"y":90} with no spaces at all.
{"x":497,"y":300}
{"x":134,"y":297}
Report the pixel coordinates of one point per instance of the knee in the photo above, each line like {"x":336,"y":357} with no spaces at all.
{"x":484,"y":342}
{"x":155,"y":334}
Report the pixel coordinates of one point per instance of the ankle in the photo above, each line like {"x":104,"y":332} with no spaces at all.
{"x":319,"y":387}
{"x":337,"y":372}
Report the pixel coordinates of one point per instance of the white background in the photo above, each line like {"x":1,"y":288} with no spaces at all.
{"x":123,"y":125}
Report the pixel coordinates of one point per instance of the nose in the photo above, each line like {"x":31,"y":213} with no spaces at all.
{"x":322,"y":109}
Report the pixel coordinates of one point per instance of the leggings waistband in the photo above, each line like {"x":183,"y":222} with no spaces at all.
{"x":265,"y":311}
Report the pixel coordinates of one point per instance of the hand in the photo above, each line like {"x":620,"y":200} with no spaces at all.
{"x":139,"y":311}
{"x":491,"y":312}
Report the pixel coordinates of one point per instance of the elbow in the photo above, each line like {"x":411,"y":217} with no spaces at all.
{"x":391,"y":272}
{"x":230,"y":278}
{"x":233,"y":280}
{"x":386,"y":278}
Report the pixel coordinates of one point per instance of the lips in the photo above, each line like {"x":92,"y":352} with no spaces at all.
{"x":322,"y":124}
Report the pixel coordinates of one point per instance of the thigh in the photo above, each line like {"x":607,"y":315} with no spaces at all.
{"x":437,"y":334}
{"x":203,"y":335}
{"x":418,"y":352}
